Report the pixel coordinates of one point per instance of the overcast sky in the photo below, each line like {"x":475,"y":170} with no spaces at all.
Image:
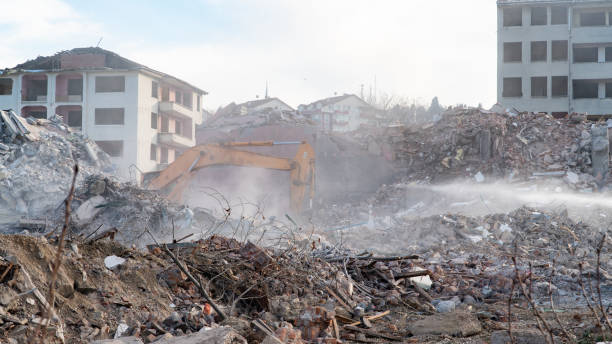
{"x":305,"y":50}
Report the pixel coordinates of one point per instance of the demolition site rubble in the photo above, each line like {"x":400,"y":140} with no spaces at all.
{"x":419,"y":261}
{"x":468,"y":141}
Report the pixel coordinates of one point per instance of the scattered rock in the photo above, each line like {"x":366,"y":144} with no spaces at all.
{"x":219,"y":335}
{"x":122,"y":340}
{"x":456,"y":324}
{"x":520,"y":337}
{"x":113,"y":261}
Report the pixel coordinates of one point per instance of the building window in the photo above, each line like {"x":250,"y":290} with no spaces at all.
{"x":198,"y":101}
{"x":559,"y":86}
{"x":585,"y":89}
{"x":539,"y":86}
{"x":608,"y":89}
{"x":558,"y":15}
{"x":165,"y":124}
{"x":593,"y":19}
{"x":75,"y":87}
{"x":188,"y":100}
{"x":165,"y":94}
{"x":106,"y":84}
{"x":539,"y":16}
{"x":6,"y":86}
{"x":538,"y":51}
{"x":513,"y":16}
{"x":164,"y":155}
{"x":154,"y":89}
{"x":153,"y":120}
{"x":178,"y":97}
{"x":112,"y":148}
{"x":513,"y":52}
{"x":153,"y":154}
{"x":109,"y":116}
{"x":559,"y":50}
{"x":585,"y":54}
{"x":178,"y":127}
{"x":75,"y":119}
{"x":608,"y":54}
{"x":512,"y":87}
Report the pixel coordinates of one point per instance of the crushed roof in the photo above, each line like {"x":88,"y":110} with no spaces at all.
{"x":258,"y":102}
{"x":111,"y":61}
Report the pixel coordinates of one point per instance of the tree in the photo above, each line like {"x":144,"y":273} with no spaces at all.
{"x":435,"y":108}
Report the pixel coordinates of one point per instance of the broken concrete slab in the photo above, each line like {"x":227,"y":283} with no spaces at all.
{"x":520,"y":337}
{"x":219,"y":335}
{"x":457,"y":324}
{"x":88,"y":210}
{"x":122,"y":340}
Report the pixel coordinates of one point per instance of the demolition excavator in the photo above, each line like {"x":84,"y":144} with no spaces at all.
{"x":176,"y":177}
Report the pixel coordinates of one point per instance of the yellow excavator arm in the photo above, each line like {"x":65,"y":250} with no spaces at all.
{"x":301,"y":167}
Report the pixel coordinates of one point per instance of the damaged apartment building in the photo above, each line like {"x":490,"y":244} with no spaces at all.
{"x":141,"y":117}
{"x":555,"y":56}
{"x":342,"y":113}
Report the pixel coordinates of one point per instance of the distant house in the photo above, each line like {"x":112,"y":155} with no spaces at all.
{"x":264,"y":104}
{"x":253,"y":106}
{"x":341,"y":114}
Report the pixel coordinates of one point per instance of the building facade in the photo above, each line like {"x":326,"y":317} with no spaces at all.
{"x":340,"y":114}
{"x":555,"y":56}
{"x":142,"y":118}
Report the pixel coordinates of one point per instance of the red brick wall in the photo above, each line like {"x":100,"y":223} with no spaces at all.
{"x":82,"y":61}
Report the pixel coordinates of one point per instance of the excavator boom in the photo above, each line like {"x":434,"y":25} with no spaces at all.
{"x":180,"y":171}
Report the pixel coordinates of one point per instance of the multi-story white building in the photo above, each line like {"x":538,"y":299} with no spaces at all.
{"x":141,"y":117}
{"x":341,"y":113}
{"x":555,"y":56}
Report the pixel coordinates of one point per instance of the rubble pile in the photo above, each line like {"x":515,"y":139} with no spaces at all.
{"x":465,"y":142}
{"x":101,"y":204}
{"x":255,"y":119}
{"x":310,"y":292}
{"x":36,"y":166}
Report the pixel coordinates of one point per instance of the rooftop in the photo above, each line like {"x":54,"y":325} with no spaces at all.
{"x":258,"y":102}
{"x":553,"y":2}
{"x":91,"y":58}
{"x":333,"y":100}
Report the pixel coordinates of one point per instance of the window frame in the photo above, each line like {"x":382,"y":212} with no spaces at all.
{"x":100,"y":122}
{"x":545,"y":16}
{"x":504,"y":91}
{"x":98,"y":87}
{"x":9,"y":87}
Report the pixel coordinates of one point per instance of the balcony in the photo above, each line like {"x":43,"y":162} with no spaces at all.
{"x":174,"y":140}
{"x":175,"y":109}
{"x":69,"y":88}
{"x":34,"y":88}
{"x":69,"y":99}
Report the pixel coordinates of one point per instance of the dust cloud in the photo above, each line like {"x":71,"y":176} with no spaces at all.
{"x":475,"y":199}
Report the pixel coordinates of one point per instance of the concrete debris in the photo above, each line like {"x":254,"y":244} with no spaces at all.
{"x":395,"y":266}
{"x":112,"y":261}
{"x":467,"y":141}
{"x":88,"y":210}
{"x":36,"y":169}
